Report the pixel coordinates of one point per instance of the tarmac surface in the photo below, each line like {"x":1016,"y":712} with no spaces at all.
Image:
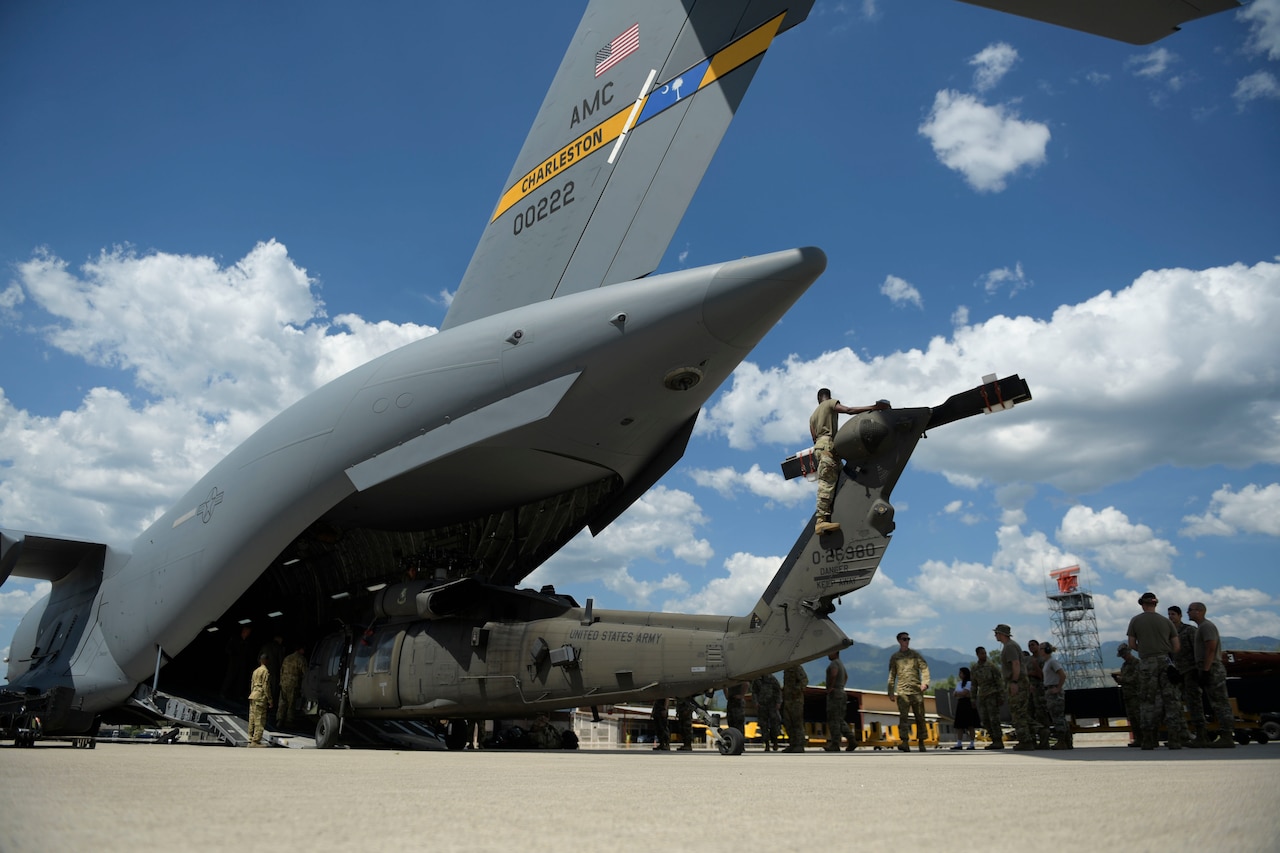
{"x":181,"y":797}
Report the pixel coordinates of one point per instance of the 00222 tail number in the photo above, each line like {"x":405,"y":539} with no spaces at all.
{"x":542,"y":208}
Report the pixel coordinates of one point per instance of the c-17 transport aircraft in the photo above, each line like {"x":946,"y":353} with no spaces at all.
{"x":565,"y":382}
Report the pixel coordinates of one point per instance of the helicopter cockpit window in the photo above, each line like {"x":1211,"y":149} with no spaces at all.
{"x":382,"y":656}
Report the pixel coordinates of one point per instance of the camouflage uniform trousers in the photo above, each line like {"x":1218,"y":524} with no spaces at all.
{"x":837,"y":728}
{"x":828,"y":476}
{"x":1192,"y":696}
{"x":1040,"y":717}
{"x":257,"y":719}
{"x":288,"y":699}
{"x":1154,"y":690}
{"x":735,"y":712}
{"x":989,"y":710}
{"x":914,"y":703}
{"x":1055,"y":705}
{"x":793,"y":721}
{"x":1020,"y":712}
{"x":770,"y":722}
{"x":1216,"y":690}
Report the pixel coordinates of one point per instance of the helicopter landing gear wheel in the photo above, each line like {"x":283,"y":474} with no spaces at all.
{"x":732,"y":742}
{"x":327,"y":731}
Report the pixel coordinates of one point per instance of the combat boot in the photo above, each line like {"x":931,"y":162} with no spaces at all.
{"x":920,"y":744}
{"x":823,"y":527}
{"x":905,"y":746}
{"x":1148,"y":739}
{"x":996,"y":743}
{"x":1024,"y":746}
{"x":1226,"y":740}
{"x":1044,"y":742}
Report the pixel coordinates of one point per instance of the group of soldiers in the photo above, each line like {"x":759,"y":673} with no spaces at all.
{"x":278,"y":677}
{"x":779,"y":707}
{"x":1179,"y":665}
{"x":1033,"y":683}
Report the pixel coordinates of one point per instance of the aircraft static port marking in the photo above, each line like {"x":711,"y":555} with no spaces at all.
{"x":734,"y":55}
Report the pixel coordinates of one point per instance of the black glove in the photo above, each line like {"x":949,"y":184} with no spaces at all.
{"x":1204,"y":677}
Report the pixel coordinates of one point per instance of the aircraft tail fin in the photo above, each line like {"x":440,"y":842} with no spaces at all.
{"x":791,"y":621}
{"x":637,"y":109}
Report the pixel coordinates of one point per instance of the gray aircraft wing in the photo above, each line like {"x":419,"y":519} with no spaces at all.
{"x":630,"y":123}
{"x":1132,"y":21}
{"x":49,"y":558}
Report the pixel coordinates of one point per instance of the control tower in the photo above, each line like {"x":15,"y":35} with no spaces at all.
{"x":1076,"y":629}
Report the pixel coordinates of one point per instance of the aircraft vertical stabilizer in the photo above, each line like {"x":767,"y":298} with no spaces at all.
{"x":626,"y":132}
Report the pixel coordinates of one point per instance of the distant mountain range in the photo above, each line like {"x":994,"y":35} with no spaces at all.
{"x":869,"y":665}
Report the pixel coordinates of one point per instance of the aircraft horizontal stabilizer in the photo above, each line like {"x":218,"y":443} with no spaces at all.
{"x":1132,"y":21}
{"x":48,"y":558}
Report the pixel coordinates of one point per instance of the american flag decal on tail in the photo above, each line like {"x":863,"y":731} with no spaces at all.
{"x":622,"y":46}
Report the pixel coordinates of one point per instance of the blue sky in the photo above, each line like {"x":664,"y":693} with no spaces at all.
{"x":207,"y":211}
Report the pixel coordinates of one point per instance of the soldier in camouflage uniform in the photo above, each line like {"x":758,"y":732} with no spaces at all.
{"x":735,"y":706}
{"x":1156,"y":641}
{"x":1035,"y":680}
{"x":259,"y":700}
{"x":990,"y":696}
{"x":684,"y":722}
{"x":908,"y":681}
{"x":1185,"y":662}
{"x":1055,"y":698}
{"x":1212,"y":674}
{"x":1129,"y":681}
{"x":661,"y":726}
{"x":543,"y":735}
{"x":837,"y":704}
{"x":823,"y":425}
{"x":768,"y":694}
{"x":794,"y":681}
{"x":292,"y":670}
{"x":1016,"y":689}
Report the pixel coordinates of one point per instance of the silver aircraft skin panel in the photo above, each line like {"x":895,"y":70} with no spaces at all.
{"x":1132,"y":21}
{"x":546,"y":406}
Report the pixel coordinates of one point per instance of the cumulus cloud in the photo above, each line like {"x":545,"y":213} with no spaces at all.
{"x":901,"y":291}
{"x":1257,"y":86}
{"x":1119,"y":365}
{"x":986,"y":144}
{"x":213,"y":351}
{"x":992,"y":63}
{"x":1004,"y":278}
{"x":1263,"y":18}
{"x":1117,"y":544}
{"x":766,"y":484}
{"x":1253,"y":509}
{"x":660,"y":527}
{"x":733,"y":594}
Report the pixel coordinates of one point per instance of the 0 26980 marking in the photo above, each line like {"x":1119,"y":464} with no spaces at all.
{"x":849,"y":553}
{"x":539,"y":210}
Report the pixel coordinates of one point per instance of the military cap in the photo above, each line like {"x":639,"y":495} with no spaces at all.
{"x":1004,"y":629}
{"x":1121,"y":649}
{"x":1148,"y":598}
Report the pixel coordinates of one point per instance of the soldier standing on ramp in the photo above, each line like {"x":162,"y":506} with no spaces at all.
{"x":259,"y":700}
